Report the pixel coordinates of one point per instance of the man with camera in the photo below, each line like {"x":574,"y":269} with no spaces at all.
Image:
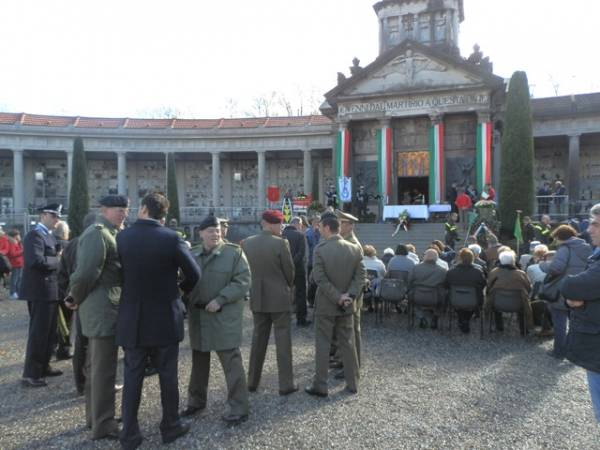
{"x":339,"y":274}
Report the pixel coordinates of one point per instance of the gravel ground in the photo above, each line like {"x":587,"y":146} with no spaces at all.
{"x":419,"y":389}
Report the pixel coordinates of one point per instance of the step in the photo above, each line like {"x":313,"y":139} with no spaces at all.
{"x":379,"y":235}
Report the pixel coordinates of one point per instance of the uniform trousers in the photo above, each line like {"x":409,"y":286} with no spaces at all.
{"x":233,"y":367}
{"x":300,"y":293}
{"x":335,"y":349}
{"x":79,"y":356}
{"x":101,"y":368}
{"x":164,"y":359}
{"x":281,"y":322}
{"x":344,"y":330}
{"x":42,"y":338}
{"x":64,"y":340}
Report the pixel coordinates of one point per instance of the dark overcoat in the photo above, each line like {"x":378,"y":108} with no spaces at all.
{"x":150,"y":311}
{"x":39,"y":282}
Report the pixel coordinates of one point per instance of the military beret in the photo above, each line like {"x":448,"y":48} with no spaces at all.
{"x":52,"y":208}
{"x":342,"y":216}
{"x":114,"y":201}
{"x":272,"y":216}
{"x":209,"y":221}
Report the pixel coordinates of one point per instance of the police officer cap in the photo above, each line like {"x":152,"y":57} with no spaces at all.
{"x":272,"y":216}
{"x":114,"y":201}
{"x":209,"y":221}
{"x":341,"y":215}
{"x":52,"y":208}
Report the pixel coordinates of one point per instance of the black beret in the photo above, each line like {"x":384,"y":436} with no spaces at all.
{"x":115,"y":201}
{"x":210,"y":221}
{"x":52,"y":208}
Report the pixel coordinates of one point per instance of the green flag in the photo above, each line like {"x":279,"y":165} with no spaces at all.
{"x":517,"y":232}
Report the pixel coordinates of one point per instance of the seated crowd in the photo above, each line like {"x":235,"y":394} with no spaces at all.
{"x":488,"y":274}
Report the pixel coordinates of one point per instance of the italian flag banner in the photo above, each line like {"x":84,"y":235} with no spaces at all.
{"x":484,"y":154}
{"x":436,"y":163}
{"x":342,"y":153}
{"x":384,"y":162}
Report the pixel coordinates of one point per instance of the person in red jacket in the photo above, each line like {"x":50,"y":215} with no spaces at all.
{"x":15,"y":256}
{"x":5,"y":263}
{"x":464,"y":204}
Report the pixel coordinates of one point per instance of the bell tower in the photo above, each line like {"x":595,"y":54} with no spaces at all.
{"x":431,"y":22}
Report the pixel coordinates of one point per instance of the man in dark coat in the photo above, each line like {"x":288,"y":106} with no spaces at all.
{"x":582,"y":292}
{"x":40,"y":288}
{"x":150,"y":321}
{"x":293,"y":233}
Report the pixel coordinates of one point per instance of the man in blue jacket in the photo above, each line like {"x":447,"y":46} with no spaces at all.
{"x":582,"y":292}
{"x":150,"y":321}
{"x":40,"y":288}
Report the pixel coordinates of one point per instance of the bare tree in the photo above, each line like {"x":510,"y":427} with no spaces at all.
{"x":160,"y":112}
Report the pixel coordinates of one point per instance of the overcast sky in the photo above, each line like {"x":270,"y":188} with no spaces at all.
{"x":209,"y":58}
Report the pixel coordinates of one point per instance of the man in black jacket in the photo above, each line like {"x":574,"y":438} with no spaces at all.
{"x":150,"y":321}
{"x":40,"y":288}
{"x":293,"y":233}
{"x":582,"y":292}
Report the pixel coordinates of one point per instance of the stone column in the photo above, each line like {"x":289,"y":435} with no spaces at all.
{"x":261,"y":185}
{"x":307,"y":171}
{"x":437,"y":174}
{"x":69,"y":172}
{"x":122,"y":173}
{"x":573,"y":188}
{"x":321,"y":181}
{"x":216,"y":179}
{"x":18,"y":180}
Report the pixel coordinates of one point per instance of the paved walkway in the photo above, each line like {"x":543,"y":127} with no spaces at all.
{"x":419,"y":389}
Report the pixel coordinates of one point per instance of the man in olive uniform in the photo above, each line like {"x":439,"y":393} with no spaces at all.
{"x":215,"y":321}
{"x":339,"y":274}
{"x":40,"y":288}
{"x":95,"y":290}
{"x":347,"y":222}
{"x":271,"y":297}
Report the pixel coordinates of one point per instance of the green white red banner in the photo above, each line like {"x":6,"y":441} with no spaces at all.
{"x":436,"y":163}
{"x":384,"y":163}
{"x":342,"y":153}
{"x":484,"y":154}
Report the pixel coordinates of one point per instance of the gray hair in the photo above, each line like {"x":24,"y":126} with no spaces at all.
{"x":507,"y":258}
{"x":296,"y":220}
{"x":595,"y":211}
{"x":430,"y":255}
{"x":475,"y":248}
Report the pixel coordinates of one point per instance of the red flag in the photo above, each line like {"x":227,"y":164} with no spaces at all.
{"x":273,"y":194}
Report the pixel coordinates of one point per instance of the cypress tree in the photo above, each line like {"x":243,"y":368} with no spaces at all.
{"x":172,"y":193}
{"x":79,"y":201}
{"x":516,"y":170}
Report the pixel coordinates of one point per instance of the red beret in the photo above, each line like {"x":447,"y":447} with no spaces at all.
{"x":272,"y":216}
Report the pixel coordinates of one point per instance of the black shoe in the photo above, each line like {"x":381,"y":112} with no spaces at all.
{"x":252,"y":388}
{"x":132,"y":445}
{"x":303,"y":323}
{"x":335,"y":365}
{"x":33,"y":382}
{"x":50,"y":372}
{"x":311,"y":391}
{"x":234,"y":419}
{"x":190,"y":411}
{"x":289,"y":391}
{"x":63,"y":354}
{"x":339,"y":375}
{"x":350,"y":391}
{"x":175,"y":433}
